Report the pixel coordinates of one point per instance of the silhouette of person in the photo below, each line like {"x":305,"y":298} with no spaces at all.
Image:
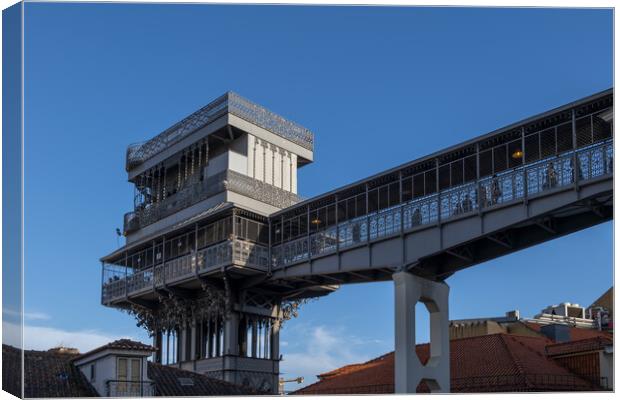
{"x":467,"y":204}
{"x":496,"y":192}
{"x":356,"y":233}
{"x":416,"y":217}
{"x":551,"y":176}
{"x":458,"y":209}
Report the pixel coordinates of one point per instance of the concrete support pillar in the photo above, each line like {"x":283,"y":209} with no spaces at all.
{"x":231,"y":335}
{"x":408,"y":370}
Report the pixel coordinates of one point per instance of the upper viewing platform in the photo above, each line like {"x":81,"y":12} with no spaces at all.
{"x":230,"y":151}
{"x":228,"y":104}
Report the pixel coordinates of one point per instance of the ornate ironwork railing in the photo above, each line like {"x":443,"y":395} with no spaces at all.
{"x":252,"y":112}
{"x":120,"y":388}
{"x":196,"y":191}
{"x":232,"y":103}
{"x":513,"y":185}
{"x":119,"y":281}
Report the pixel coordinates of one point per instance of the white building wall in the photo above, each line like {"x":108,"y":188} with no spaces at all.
{"x":238,"y":155}
{"x":238,"y":163}
{"x":294,"y":173}
{"x":267,"y":163}
{"x":217,"y":164}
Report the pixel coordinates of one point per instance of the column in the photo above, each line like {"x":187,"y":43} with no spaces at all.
{"x":182,"y":344}
{"x":193,"y":353}
{"x":231,"y":335}
{"x":243,"y":337}
{"x":157,"y":343}
{"x":408,"y":370}
{"x":254,"y":323}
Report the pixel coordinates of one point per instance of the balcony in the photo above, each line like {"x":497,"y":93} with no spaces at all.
{"x":230,"y":103}
{"x":120,"y":281}
{"x":130,"y":389}
{"x":196,"y":191}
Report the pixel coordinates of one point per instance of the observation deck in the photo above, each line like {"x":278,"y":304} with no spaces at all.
{"x":229,"y":103}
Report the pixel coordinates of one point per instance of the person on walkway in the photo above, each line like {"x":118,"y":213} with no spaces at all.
{"x":416,"y":217}
{"x":496,"y":192}
{"x":356,"y":233}
{"x":467,"y":205}
{"x":551,"y":176}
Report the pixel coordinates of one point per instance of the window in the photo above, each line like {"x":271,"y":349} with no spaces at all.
{"x":129,"y":375}
{"x":92,"y":372}
{"x":121,"y":374}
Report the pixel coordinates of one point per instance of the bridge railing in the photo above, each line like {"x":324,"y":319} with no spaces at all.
{"x":522,"y":182}
{"x":119,"y":282}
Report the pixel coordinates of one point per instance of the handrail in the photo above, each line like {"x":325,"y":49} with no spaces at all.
{"x":519,"y":183}
{"x":201,"y":190}
{"x":130,"y":388}
{"x":128,"y":282}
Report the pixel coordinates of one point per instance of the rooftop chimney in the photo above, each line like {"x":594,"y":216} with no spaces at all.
{"x":513,"y":315}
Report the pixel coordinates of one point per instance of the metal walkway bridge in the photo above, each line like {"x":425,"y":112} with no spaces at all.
{"x":530,"y":182}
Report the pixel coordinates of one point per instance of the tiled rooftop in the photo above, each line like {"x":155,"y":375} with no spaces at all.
{"x":575,"y":333}
{"x":52,"y":374}
{"x":121,"y":344}
{"x":498,"y":362}
{"x":171,"y":381}
{"x":578,"y":346}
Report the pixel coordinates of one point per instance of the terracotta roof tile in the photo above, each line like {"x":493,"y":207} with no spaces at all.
{"x":120,"y":344}
{"x":578,"y":346}
{"x":575,"y":333}
{"x":498,"y":362}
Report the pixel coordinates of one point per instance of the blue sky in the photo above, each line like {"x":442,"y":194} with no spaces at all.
{"x":378,"y":86}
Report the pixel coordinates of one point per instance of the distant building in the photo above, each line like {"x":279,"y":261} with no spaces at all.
{"x":602,"y":310}
{"x":558,"y":350}
{"x":117,"y":369}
